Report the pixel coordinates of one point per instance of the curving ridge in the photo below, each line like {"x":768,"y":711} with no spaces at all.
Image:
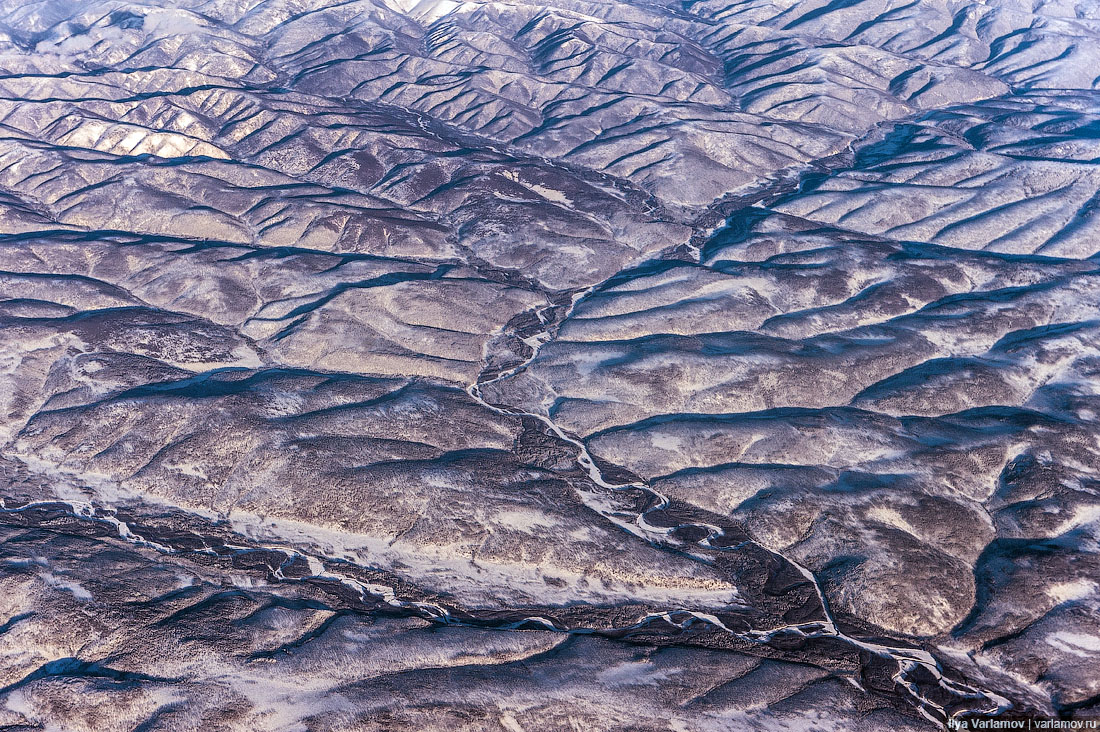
{"x":915,"y":668}
{"x":506,"y":366}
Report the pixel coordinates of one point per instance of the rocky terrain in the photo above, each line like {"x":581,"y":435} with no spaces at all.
{"x":507,"y":366}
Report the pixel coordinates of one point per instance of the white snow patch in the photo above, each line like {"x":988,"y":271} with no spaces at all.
{"x":165,"y":22}
{"x":664,"y":441}
{"x":1079,"y":644}
{"x":63,"y":584}
{"x":1071,"y":591}
{"x":635,"y":673}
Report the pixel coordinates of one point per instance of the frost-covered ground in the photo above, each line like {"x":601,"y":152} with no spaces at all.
{"x":439,"y":365}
